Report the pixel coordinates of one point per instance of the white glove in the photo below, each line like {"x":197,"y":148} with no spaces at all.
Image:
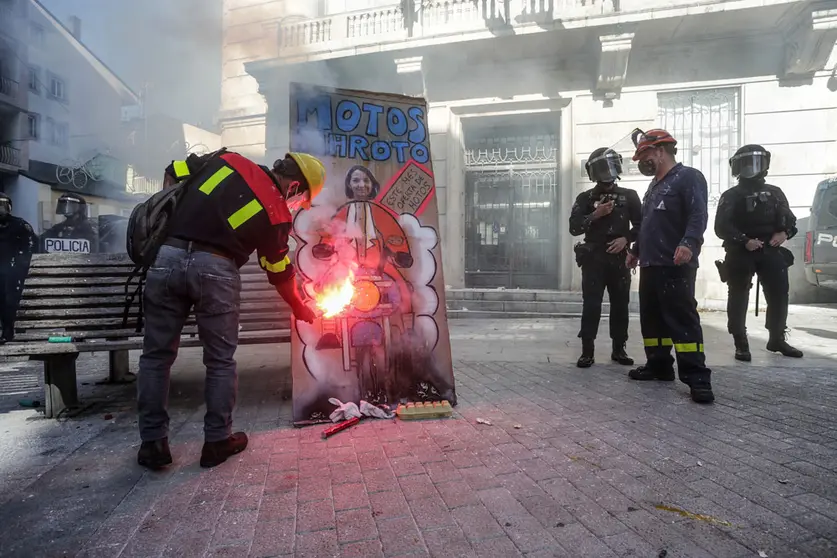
{"x":369,"y":410}
{"x":344,"y":411}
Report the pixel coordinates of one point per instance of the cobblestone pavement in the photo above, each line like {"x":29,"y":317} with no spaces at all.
{"x":580,"y":463}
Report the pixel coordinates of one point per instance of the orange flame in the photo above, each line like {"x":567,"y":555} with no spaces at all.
{"x":336,"y":297}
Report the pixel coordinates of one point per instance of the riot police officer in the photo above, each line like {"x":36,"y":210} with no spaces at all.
{"x":753,"y":220}
{"x":17,"y":242}
{"x":76,"y":225}
{"x":608,"y":216}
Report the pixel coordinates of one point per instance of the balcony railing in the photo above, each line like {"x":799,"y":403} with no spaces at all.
{"x":436,"y":18}
{"x":9,"y":156}
{"x":142,"y":185}
{"x":8,"y":87}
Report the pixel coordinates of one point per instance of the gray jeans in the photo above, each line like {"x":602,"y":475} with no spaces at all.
{"x":178,"y":281}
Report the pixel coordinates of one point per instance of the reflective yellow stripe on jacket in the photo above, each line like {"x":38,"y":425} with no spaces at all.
{"x":277,"y":267}
{"x":242,"y":215}
{"x":181,"y":170}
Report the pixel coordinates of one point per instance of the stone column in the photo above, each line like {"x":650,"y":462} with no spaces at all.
{"x":448,"y":153}
{"x":411,"y":73}
{"x":569,"y":276}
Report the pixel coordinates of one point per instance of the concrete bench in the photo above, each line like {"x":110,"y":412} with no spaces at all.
{"x":83,"y":297}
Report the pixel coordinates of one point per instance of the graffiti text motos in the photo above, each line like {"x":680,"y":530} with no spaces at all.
{"x":364,"y":131}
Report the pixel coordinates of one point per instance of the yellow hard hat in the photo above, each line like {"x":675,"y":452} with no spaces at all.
{"x":314,"y":172}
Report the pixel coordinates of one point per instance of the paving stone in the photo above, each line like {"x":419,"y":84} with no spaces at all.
{"x":356,"y":525}
{"x":582,"y":476}
{"x":400,"y":536}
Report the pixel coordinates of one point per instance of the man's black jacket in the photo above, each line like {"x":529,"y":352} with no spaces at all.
{"x":623,"y":221}
{"x":753,"y":210}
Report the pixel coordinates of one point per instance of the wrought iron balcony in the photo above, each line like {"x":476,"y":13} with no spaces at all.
{"x":8,"y":87}
{"x":9,"y":156}
{"x":434,"y":19}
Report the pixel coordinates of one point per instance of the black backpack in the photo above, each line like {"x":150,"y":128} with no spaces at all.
{"x":148,"y":228}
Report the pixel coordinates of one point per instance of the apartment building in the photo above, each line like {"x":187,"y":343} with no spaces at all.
{"x":521,"y":91}
{"x":13,"y":97}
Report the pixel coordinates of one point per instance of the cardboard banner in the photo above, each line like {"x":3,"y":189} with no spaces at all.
{"x":369,"y":256}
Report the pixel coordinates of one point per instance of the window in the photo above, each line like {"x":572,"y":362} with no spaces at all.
{"x":34,"y":79}
{"x":37,"y":36}
{"x":706,"y":125}
{"x":57,"y":90}
{"x":61,"y":134}
{"x":34,"y":126}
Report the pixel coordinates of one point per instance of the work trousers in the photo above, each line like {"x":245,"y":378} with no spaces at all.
{"x":669,"y":318}
{"x":178,"y":281}
{"x":772,"y":271}
{"x":601,"y":271}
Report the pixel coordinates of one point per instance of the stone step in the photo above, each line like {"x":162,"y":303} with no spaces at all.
{"x":489,"y":315}
{"x":521,"y":295}
{"x":518,"y":306}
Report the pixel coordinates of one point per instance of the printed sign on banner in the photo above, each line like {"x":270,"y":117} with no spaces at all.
{"x":368,"y":255}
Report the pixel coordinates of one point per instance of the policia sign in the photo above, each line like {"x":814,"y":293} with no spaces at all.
{"x":67,"y":245}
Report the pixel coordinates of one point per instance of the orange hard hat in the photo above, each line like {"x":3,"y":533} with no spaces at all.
{"x":652,"y":138}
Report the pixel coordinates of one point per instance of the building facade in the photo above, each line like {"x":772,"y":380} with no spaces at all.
{"x":13,"y":97}
{"x":521,"y":91}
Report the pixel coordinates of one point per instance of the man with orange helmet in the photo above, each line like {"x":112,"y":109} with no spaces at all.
{"x":674,"y":219}
{"x":231,"y":207}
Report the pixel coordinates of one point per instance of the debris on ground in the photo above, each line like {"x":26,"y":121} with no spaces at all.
{"x":424,"y":410}
{"x":518,"y":426}
{"x":332,"y":430}
{"x":483,"y":421}
{"x":762,"y":554}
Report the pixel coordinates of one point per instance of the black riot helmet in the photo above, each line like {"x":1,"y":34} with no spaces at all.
{"x":750,"y":161}
{"x":5,"y":205}
{"x":604,"y":165}
{"x":71,"y":205}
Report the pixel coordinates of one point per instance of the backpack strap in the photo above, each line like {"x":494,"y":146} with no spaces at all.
{"x":138,"y":272}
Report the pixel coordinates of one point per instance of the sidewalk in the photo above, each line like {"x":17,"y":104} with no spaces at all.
{"x":575,"y":463}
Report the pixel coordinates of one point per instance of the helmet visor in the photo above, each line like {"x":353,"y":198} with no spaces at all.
{"x":749,"y":165}
{"x":68,"y":207}
{"x":605,"y":168}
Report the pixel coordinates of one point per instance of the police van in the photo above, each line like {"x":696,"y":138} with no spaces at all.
{"x":821,"y":238}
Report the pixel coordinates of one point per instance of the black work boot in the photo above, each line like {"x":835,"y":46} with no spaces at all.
{"x":644,"y":373}
{"x":702,"y":392}
{"x":742,"y":348}
{"x":778,"y":344}
{"x":619,"y":355}
{"x":215,"y":453}
{"x":154,"y":455}
{"x":588,"y":351}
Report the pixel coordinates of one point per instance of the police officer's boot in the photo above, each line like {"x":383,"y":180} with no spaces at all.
{"x":619,"y":355}
{"x":778,"y":344}
{"x":742,"y":348}
{"x":588,"y":349}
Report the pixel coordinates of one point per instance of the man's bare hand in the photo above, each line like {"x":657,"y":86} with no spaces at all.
{"x":682,"y":255}
{"x":603,"y":209}
{"x":617,"y":245}
{"x":304,"y":313}
{"x":779,"y":238}
{"x":754,"y":244}
{"x":631,"y":261}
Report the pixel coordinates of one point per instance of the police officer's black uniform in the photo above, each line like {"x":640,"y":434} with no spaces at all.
{"x":754,"y":212}
{"x":73,"y":208}
{"x":601,"y":269}
{"x":17,"y":242}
